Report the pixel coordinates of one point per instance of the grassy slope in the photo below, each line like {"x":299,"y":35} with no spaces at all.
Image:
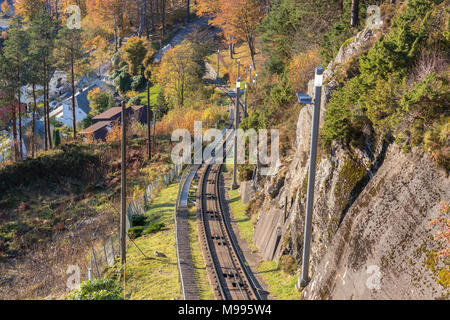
{"x":154,"y":92}
{"x":229,"y":66}
{"x":243,"y":221}
{"x":201,"y":277}
{"x":155,"y":278}
{"x":280,"y":285}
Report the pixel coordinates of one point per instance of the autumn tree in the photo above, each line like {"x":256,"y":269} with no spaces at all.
{"x":69,"y":54}
{"x":28,"y":9}
{"x":238,"y":19}
{"x":5,"y":7}
{"x":179,"y":73}
{"x":134,"y":51}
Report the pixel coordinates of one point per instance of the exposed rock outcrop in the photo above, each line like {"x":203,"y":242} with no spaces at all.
{"x":372,"y":206}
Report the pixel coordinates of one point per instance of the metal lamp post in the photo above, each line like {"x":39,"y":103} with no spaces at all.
{"x":236,"y":126}
{"x":303,"y":98}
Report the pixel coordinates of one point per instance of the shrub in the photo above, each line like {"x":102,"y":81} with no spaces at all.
{"x":153,"y":228}
{"x":436,"y":142}
{"x":302,"y":69}
{"x":69,"y":160}
{"x":138,"y":220}
{"x":288,"y":265}
{"x":138,"y":83}
{"x":136,"y":232}
{"x":135,"y":101}
{"x":344,"y":119}
{"x":101,"y":289}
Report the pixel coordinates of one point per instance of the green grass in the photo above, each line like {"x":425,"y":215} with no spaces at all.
{"x":154,"y":92}
{"x":155,"y":278}
{"x":280,"y":284}
{"x":243,"y":222}
{"x":201,"y":276}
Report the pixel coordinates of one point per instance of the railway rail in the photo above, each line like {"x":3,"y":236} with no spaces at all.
{"x":227,"y":271}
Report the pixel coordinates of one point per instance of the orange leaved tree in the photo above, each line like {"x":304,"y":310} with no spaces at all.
{"x":238,"y":19}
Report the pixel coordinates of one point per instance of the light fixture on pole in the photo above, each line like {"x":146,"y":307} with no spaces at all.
{"x":306,"y":99}
{"x":236,"y":127}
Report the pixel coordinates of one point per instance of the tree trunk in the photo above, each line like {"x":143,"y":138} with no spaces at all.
{"x":73,"y":98}
{"x":16,"y":147}
{"x":355,"y":11}
{"x":33,"y":124}
{"x":152,"y":15}
{"x":230,"y":48}
{"x":188,"y":11}
{"x":251,"y":47}
{"x":45,"y":117}
{"x":20,"y":127}
{"x":50,"y":143}
{"x":163,"y":17}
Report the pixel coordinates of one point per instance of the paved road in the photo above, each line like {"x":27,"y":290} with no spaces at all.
{"x":181,"y":35}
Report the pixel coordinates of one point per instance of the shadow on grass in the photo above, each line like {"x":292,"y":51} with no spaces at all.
{"x":268,"y":271}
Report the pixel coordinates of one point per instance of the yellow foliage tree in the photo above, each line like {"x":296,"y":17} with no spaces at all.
{"x":5,"y":7}
{"x":178,"y":72}
{"x":134,"y":51}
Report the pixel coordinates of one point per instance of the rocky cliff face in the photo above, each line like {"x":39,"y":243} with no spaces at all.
{"x":371,"y":210}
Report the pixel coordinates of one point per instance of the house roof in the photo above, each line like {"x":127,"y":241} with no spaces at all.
{"x":95,"y":127}
{"x":108,"y":114}
{"x":82,"y":99}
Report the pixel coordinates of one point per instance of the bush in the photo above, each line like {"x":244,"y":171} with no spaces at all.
{"x":138,"y":220}
{"x":101,"y":289}
{"x":69,"y":160}
{"x":138,"y":83}
{"x":153,"y":228}
{"x":136,"y":232}
{"x":135,"y":101}
{"x":288,"y":265}
{"x":344,"y":119}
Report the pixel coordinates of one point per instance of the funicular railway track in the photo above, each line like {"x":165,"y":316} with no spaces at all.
{"x":227,"y":272}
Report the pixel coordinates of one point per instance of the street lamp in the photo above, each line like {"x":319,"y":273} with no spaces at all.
{"x":236,"y":127}
{"x":306,"y":99}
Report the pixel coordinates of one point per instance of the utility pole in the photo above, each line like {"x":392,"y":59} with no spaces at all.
{"x":149,"y":133}
{"x":312,"y":177}
{"x":218,"y":64}
{"x":123,"y":196}
{"x":236,"y":127}
{"x":355,"y":12}
{"x":245,"y":101}
{"x":188,"y":13}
